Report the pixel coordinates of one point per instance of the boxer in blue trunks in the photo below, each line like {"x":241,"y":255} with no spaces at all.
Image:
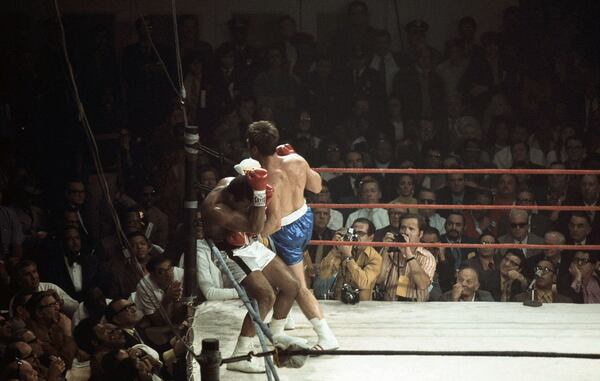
{"x":289,"y":220}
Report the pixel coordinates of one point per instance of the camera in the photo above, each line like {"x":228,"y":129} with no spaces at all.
{"x":350,"y":236}
{"x":350,"y":294}
{"x":398,"y":237}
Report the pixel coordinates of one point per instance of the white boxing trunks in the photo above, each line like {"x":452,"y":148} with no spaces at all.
{"x":252,"y":257}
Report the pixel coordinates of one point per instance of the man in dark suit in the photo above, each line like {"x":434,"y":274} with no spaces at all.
{"x":420,"y":88}
{"x":555,"y":256}
{"x":344,"y":188}
{"x":75,"y":270}
{"x":466,"y":289}
{"x":518,"y":221}
{"x":123,"y":313}
{"x":455,"y":192}
{"x":455,"y":223}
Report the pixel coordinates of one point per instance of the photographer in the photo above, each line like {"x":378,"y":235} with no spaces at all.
{"x":407,"y":273}
{"x":357,"y":266}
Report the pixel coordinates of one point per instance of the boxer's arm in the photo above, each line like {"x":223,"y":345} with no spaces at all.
{"x":313,"y":180}
{"x":236,"y":221}
{"x":273,"y":221}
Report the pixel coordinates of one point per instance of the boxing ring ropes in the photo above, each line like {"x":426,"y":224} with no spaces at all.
{"x":210,"y":359}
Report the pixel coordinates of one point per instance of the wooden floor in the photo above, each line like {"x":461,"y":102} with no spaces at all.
{"x":429,"y":326}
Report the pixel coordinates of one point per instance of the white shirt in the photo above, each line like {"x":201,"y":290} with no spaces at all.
{"x":438,"y":222}
{"x":146,"y":287}
{"x":336,"y":220}
{"x":503,"y":158}
{"x":210,"y":278}
{"x":75,"y":274}
{"x":378,"y":216}
{"x":390,"y":70}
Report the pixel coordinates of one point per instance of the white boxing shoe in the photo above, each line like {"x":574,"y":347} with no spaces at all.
{"x":290,"y":324}
{"x":327,"y":340}
{"x":243,"y":346}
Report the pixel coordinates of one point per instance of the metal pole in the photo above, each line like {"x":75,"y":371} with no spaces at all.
{"x":191,"y":206}
{"x":210,"y":360}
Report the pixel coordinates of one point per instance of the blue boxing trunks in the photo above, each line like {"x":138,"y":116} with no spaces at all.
{"x":291,"y":240}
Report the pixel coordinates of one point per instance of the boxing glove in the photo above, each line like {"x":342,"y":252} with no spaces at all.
{"x":236,"y":239}
{"x":257,"y":179}
{"x":285,"y":149}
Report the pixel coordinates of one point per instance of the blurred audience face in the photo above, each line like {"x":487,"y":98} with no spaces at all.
{"x":558,"y":182}
{"x":487,"y":239}
{"x":287,"y":28}
{"x":321,"y":217}
{"x":590,"y":188}
{"x":394,"y":107}
{"x":583,"y":263}
{"x":454,"y":226}
{"x":394,"y":216}
{"x":455,"y":106}
{"x":410,"y":227}
{"x":163,"y":274}
{"x":148,"y":196}
{"x":469,"y":281}
{"x":579,"y":228}
{"x":426,"y":130}
{"x":274,"y":59}
{"x":432,"y":238}
{"x":325,"y":196}
{"x":519,"y":153}
{"x":481,"y":199}
{"x":75,"y":193}
{"x":424,"y":58}
{"x":370,"y":193}
{"x":72,"y":241}
{"x":133,"y":222}
{"x":208,"y":178}
{"x":383,"y":151}
{"x":189,"y":29}
{"x":510,"y":262}
{"x":361,"y":229}
{"x":71,"y":219}
{"x":507,"y":185}
{"x":140,"y":247}
{"x":525,"y":197}
{"x":547,"y":271}
{"x":575,"y":150}
{"x":125,"y":313}
{"x":427,"y":197}
{"x":354,"y":160}
{"x":553,"y":238}
{"x":519,"y":225}
{"x":433,"y":159}
{"x":49,"y":310}
{"x":29,"y":278}
{"x":359,"y":15}
{"x":334,"y":154}
{"x":456,"y":183}
{"x":109,"y":336}
{"x":406,"y":186}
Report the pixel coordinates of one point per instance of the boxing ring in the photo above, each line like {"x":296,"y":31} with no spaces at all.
{"x":432,"y":332}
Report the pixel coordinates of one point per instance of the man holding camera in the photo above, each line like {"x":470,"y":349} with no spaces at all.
{"x":408,"y":272}
{"x":357,"y":267}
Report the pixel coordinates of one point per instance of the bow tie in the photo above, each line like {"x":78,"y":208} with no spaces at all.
{"x":74,"y":259}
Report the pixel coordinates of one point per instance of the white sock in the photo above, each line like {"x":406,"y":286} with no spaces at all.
{"x":277,"y":326}
{"x":321,"y":328}
{"x":243,"y":343}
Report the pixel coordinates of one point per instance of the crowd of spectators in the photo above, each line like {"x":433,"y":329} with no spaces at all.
{"x":506,"y":99}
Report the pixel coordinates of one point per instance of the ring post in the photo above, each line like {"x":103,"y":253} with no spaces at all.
{"x":210,"y":360}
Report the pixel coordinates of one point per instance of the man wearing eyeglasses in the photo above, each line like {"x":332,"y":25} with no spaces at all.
{"x":543,"y":292}
{"x":518,"y":220}
{"x":123,"y":314}
{"x":585,"y":277}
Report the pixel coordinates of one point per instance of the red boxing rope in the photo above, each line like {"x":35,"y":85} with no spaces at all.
{"x":450,"y":245}
{"x":458,"y":206}
{"x":491,"y":171}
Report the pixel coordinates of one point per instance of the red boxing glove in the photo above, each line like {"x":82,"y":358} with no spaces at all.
{"x":257,"y":179}
{"x":284,"y":149}
{"x":269,"y":192}
{"x":236,"y":239}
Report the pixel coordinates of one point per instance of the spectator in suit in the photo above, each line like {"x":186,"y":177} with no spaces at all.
{"x":344,"y":189}
{"x":580,"y":229}
{"x":543,"y":290}
{"x":512,"y":280}
{"x":505,"y":194}
{"x":416,"y":34}
{"x":585,"y":282}
{"x":431,"y":216}
{"x":466,"y":288}
{"x":75,"y":269}
{"x":487,"y":264}
{"x":155,"y":216}
{"x":478,"y":221}
{"x":420,"y":88}
{"x":394,"y":215}
{"x":453,"y":68}
{"x":467,"y":31}
{"x":123,"y":314}
{"x":518,"y":221}
{"x":555,"y":256}
{"x":539,"y":223}
{"x":384,"y":61}
{"x":455,"y":192}
{"x":370,"y":193}
{"x":455,"y":223}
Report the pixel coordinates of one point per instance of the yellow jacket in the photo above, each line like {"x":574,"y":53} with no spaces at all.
{"x":361,"y":273}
